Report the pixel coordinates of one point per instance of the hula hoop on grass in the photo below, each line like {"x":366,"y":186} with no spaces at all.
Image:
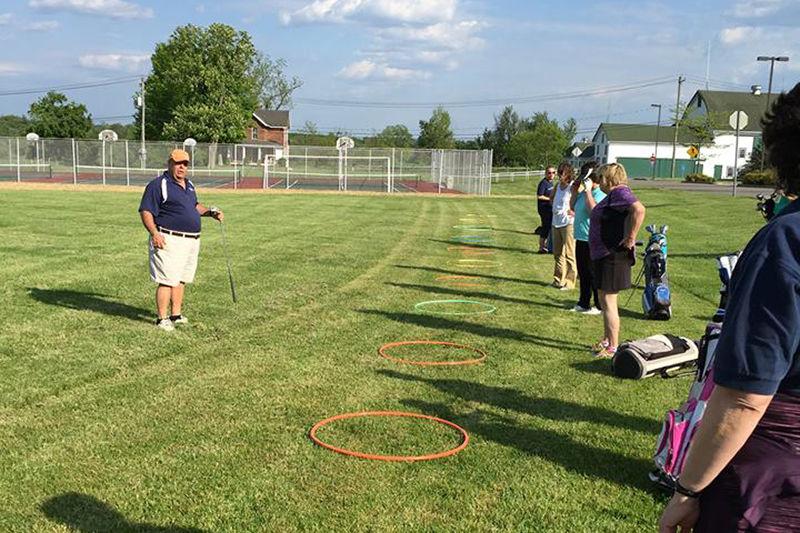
{"x":313,"y":436}
{"x":473,"y":228}
{"x":382,"y":353}
{"x":488,"y":308}
{"x":474,"y":239}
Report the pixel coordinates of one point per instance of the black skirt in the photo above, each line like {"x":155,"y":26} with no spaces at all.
{"x":612,"y":273}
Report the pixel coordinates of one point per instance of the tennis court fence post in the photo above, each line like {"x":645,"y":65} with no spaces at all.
{"x":19,"y":169}
{"x":127,"y":166}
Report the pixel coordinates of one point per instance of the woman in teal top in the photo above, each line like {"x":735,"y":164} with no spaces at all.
{"x":582,"y":205}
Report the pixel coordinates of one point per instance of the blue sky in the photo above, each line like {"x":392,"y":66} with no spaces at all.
{"x":412,"y":54}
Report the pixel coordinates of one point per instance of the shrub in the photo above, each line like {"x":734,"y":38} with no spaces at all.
{"x":760,"y":177}
{"x":698,"y":178}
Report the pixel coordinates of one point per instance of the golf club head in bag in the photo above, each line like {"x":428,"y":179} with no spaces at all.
{"x":656,"y":297}
{"x":725,"y":266}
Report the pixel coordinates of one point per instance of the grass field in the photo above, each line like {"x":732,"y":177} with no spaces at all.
{"x":110,"y":424}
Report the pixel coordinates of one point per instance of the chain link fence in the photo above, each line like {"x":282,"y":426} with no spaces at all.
{"x":248,"y":166}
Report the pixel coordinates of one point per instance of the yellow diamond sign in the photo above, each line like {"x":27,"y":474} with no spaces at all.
{"x":693,"y":151}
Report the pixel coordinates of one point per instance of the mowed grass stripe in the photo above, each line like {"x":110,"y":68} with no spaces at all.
{"x":207,"y":428}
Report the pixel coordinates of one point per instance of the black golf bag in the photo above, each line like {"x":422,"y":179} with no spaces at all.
{"x":656,"y":298}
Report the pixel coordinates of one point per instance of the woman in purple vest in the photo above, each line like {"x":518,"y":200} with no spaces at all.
{"x":742,"y":472}
{"x":613,"y":225}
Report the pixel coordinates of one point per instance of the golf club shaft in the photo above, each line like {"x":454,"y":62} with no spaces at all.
{"x":228,"y":261}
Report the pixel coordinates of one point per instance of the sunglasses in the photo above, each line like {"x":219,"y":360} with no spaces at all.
{"x":181,"y":163}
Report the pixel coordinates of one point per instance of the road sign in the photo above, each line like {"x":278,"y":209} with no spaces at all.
{"x":693,"y":151}
{"x":652,"y":159}
{"x":738,"y":120}
{"x":577,"y":151}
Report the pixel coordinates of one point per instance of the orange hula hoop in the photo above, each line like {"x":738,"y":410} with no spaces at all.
{"x":312,"y":434}
{"x":382,"y":353}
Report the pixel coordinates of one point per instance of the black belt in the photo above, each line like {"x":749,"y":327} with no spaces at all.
{"x":179,"y":233}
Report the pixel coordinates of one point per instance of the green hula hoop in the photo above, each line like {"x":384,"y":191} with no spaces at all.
{"x":472,"y":238}
{"x":473,"y":228}
{"x":488,"y":308}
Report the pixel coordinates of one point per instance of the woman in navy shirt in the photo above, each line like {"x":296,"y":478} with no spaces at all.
{"x":742,"y":472}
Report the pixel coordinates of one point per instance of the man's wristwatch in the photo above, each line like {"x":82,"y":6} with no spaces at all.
{"x":680,"y":489}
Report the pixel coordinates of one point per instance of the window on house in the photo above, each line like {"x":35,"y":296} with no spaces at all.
{"x":254,"y":133}
{"x":742,"y":152}
{"x":729,"y":171}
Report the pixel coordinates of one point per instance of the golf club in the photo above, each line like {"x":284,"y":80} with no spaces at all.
{"x":227,"y":257}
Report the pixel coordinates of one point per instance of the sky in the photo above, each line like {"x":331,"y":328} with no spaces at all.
{"x":366,"y":64}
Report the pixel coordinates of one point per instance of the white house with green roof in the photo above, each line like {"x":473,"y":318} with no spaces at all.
{"x":633,"y":145}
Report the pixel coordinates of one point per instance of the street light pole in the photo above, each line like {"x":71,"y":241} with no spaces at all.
{"x":772,"y":60}
{"x":681,"y":79}
{"x":658,"y":128}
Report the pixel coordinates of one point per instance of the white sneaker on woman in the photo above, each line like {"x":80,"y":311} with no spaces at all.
{"x":593,"y":311}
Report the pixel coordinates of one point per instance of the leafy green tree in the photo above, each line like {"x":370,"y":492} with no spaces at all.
{"x":396,"y":136}
{"x":506,"y":125}
{"x":275,"y":88}
{"x":14,"y":126}
{"x":53,"y":115}
{"x":542,"y":142}
{"x":204,"y":84}
{"x":435,"y":132}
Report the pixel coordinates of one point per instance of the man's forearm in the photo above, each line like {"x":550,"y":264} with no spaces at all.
{"x":729,"y":420}
{"x":149,"y":222}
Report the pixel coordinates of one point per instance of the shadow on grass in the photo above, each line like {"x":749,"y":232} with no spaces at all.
{"x":601,"y":367}
{"x":583,"y":459}
{"x":438,"y":322}
{"x":549,"y":408}
{"x":473,"y":273}
{"x":515,"y":231}
{"x":456,"y":292}
{"x":487,"y":246}
{"x":89,"y":301}
{"x":87,"y":514}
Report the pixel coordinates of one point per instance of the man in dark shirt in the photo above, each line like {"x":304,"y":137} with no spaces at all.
{"x":544,"y":205}
{"x":171,"y":214}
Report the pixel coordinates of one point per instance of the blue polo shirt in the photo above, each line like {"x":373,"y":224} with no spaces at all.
{"x":759,"y":349}
{"x":177,"y":212}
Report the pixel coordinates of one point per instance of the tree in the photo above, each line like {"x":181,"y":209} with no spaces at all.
{"x":14,"y":126}
{"x":206,"y":83}
{"x":396,"y":136}
{"x":506,"y":125}
{"x":275,"y":89}
{"x":55,"y":116}
{"x":542,"y":142}
{"x":436,"y":132}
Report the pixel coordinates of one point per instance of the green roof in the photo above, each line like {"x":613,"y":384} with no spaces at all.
{"x":721,"y":104}
{"x":645,"y":133}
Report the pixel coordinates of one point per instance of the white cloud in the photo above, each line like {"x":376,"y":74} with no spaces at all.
{"x":739,"y":34}
{"x":411,"y":11}
{"x":448,"y":36}
{"x":119,"y":9}
{"x":11,"y":69}
{"x":5,"y":19}
{"x":45,"y":25}
{"x":136,"y":63}
{"x":757,"y":8}
{"x":367,"y":69}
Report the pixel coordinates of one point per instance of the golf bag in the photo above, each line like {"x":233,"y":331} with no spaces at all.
{"x":681,"y":424}
{"x":656,"y":300}
{"x":653,"y":355}
{"x":766,"y":206}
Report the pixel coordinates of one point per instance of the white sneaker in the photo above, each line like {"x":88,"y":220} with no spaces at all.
{"x":579,"y":309}
{"x":179,"y":319}
{"x":593,"y":311}
{"x":165,"y":324}
{"x":565,"y":288}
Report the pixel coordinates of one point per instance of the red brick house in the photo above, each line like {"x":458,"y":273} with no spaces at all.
{"x":267,"y":134}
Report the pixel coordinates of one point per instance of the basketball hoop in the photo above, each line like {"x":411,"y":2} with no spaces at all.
{"x":344,"y":143}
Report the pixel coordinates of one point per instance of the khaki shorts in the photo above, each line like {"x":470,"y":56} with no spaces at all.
{"x":176,"y":262}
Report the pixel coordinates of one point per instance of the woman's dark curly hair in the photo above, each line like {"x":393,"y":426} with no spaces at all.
{"x":781,"y":133}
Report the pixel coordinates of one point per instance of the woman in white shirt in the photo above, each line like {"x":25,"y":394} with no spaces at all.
{"x":566,"y":271}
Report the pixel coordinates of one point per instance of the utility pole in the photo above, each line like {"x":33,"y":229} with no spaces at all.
{"x":681,"y":79}
{"x":772,"y":60}
{"x":142,"y":150}
{"x":658,"y":127}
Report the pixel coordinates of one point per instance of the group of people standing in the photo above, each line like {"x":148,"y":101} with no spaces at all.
{"x":592,"y":222}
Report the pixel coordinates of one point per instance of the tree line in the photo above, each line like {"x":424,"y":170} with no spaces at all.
{"x":205,"y":83}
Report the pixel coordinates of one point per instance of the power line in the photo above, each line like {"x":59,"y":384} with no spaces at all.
{"x":490,"y":102}
{"x":71,"y":87}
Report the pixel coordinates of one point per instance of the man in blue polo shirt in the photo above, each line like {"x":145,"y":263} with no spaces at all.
{"x":171,"y":213}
